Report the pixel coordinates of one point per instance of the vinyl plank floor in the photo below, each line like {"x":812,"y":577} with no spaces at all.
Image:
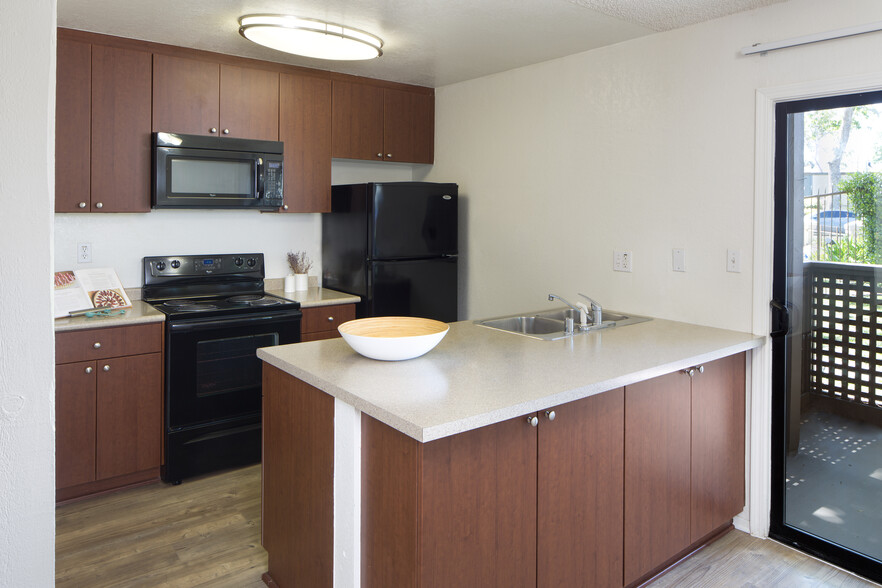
{"x":206,"y":533}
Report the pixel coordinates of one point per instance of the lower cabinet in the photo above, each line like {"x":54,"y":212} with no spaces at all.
{"x":108,"y":409}
{"x":532,"y":501}
{"x":321,"y":322}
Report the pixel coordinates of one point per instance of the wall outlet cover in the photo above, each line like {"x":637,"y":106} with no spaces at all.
{"x":678,"y":263}
{"x":84,"y":253}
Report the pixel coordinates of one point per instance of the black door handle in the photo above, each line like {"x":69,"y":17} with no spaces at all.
{"x":780,"y":319}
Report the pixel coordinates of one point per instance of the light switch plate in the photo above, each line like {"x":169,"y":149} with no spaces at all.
{"x":733,"y":261}
{"x":678,"y":263}
{"x":622,"y":261}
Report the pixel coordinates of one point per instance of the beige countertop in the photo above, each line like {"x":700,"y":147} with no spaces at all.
{"x":141,"y":312}
{"x":315,"y":297}
{"x":478,"y":376}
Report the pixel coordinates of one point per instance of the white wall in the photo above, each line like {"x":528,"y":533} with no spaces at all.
{"x":643,"y":146}
{"x":27,"y":439}
{"x":121,"y":240}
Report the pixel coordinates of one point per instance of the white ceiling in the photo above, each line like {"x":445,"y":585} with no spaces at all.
{"x":427,"y":42}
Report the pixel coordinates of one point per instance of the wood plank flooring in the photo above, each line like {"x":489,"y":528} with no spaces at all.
{"x":206,"y":532}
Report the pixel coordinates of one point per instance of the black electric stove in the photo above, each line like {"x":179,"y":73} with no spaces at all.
{"x":217,"y":316}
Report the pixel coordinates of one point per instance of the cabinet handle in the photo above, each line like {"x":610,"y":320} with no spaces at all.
{"x":96,"y":345}
{"x":82,"y":205}
{"x":689,"y":372}
{"x":550,"y":414}
{"x":99,"y":205}
{"x":701,"y":369}
{"x":106,"y":368}
{"x":389,"y":155}
{"x":212,"y":130}
{"x":285,"y":207}
{"x":533,"y":420}
{"x":330,"y":319}
{"x":89,"y":370}
{"x":226,"y":131}
{"x":379,"y":155}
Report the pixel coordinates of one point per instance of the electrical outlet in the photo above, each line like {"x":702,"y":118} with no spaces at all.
{"x":84,"y":253}
{"x":733,"y":261}
{"x":622,"y":261}
{"x":679,"y":260}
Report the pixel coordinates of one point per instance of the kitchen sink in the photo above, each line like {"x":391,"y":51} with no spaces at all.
{"x":550,"y":325}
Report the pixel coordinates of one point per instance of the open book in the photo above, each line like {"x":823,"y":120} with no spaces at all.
{"x":88,"y":289}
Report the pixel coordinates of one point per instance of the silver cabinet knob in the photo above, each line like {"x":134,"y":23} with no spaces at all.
{"x":533,"y":420}
{"x":389,"y":155}
{"x":330,"y":319}
{"x":106,"y":368}
{"x":96,"y":345}
{"x":550,"y":414}
{"x":82,"y":205}
{"x":226,"y":131}
{"x":99,"y":205}
{"x":701,"y":369}
{"x":212,"y":130}
{"x":689,"y":372}
{"x":89,"y":370}
{"x":379,"y":155}
{"x":285,"y":207}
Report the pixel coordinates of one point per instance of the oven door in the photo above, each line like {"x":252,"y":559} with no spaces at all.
{"x":212,"y":370}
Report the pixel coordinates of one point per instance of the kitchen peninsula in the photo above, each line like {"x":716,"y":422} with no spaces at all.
{"x":502,"y":460}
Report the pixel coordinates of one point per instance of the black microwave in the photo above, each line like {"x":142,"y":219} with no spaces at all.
{"x":193,"y":171}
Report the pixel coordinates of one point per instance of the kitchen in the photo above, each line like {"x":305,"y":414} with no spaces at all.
{"x":669,"y":146}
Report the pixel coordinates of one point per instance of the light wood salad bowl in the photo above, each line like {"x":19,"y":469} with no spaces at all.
{"x":393,"y":338}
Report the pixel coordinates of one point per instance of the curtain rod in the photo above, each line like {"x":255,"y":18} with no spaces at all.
{"x":815,"y":38}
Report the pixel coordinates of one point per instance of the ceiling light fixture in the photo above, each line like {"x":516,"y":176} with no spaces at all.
{"x":310,"y":38}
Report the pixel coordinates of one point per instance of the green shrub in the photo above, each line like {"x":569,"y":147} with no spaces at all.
{"x":864,"y":190}
{"x":847,"y":250}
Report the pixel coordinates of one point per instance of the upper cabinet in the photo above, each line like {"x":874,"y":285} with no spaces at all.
{"x":102,"y":129}
{"x":382,"y":124}
{"x":207,"y":98}
{"x":305,"y":128}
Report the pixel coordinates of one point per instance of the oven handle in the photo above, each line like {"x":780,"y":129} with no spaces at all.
{"x":214,"y":323}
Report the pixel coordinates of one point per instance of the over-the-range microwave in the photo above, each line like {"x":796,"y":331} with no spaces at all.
{"x":194,"y":171}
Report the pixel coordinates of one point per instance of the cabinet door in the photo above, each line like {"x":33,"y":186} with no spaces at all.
{"x":357,"y":121}
{"x":186,"y":95}
{"x":305,"y":128}
{"x":249,"y":103}
{"x":479,"y":508}
{"x":409,"y":127}
{"x":129,"y":421}
{"x":121,"y":81}
{"x":657,"y":472}
{"x":73,"y":131}
{"x":580,"y":514}
{"x":717,"y":444}
{"x":74,"y":424}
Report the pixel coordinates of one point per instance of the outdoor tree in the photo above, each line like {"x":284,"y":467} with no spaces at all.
{"x":836,"y":123}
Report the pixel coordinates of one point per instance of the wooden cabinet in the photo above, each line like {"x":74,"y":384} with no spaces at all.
{"x":305,"y":129}
{"x":102,"y":129}
{"x":321,"y":322}
{"x":684,"y":467}
{"x":108,"y":408}
{"x":208,"y":98}
{"x":382,"y":124}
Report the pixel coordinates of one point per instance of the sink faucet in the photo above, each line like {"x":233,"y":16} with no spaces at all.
{"x":580,"y":308}
{"x":596,"y":310}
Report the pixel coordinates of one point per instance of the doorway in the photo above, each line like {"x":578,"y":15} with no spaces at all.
{"x":827,"y":330}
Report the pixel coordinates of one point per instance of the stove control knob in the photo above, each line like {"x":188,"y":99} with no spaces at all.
{"x":252,"y":262}
{"x":176,"y":263}
{"x":160,"y":265}
{"x":238,"y":261}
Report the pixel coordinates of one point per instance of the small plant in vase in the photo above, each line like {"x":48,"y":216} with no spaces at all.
{"x":300,"y":265}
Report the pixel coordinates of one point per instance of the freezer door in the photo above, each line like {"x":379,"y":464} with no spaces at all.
{"x":423,"y":288}
{"x":411,"y":220}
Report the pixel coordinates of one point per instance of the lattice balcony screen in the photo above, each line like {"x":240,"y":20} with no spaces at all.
{"x":845,"y":332}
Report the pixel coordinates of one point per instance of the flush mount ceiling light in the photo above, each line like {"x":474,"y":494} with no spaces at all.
{"x":310,"y":38}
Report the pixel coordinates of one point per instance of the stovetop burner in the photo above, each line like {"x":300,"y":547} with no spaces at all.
{"x":193,"y":307}
{"x":254,"y":300}
{"x":179,"y":303}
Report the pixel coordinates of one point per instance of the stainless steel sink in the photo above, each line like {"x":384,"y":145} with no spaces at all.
{"x":550,"y":325}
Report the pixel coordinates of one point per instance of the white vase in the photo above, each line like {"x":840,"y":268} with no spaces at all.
{"x":289,"y":283}
{"x":301,"y":282}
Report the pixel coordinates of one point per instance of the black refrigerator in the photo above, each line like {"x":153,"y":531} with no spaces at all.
{"x":394,"y":244}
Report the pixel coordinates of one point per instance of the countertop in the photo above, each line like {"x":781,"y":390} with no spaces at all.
{"x":478,"y":376}
{"x":141,"y":312}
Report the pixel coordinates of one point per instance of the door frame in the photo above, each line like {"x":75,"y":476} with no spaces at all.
{"x":760,"y":400}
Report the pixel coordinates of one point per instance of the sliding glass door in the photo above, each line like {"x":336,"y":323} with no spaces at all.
{"x":827,"y":330}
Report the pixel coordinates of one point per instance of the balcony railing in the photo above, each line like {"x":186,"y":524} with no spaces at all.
{"x":828,"y":217}
{"x":844,"y":332}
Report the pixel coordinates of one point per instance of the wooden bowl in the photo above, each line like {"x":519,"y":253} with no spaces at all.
{"x":393,"y":338}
